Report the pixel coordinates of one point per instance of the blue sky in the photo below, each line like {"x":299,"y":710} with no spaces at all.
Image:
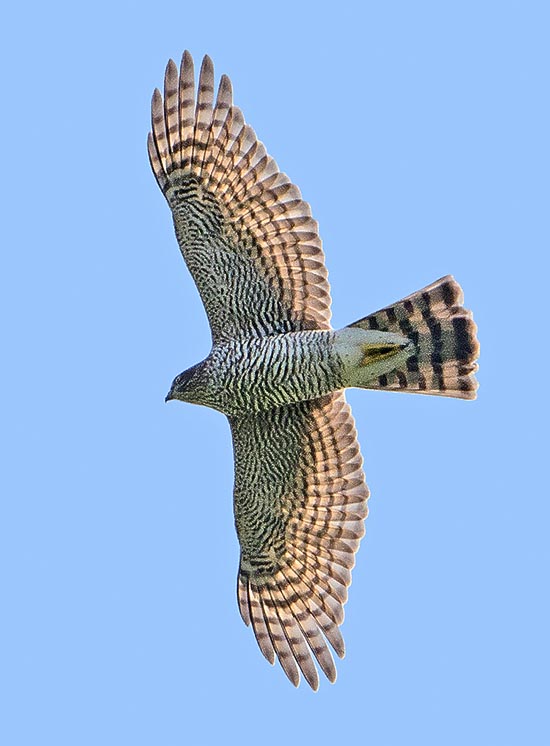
{"x":419,"y":134}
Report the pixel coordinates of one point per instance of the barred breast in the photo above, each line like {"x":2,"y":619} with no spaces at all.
{"x":260,"y":373}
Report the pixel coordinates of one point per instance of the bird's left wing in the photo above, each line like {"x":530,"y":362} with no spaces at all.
{"x":300,"y":502}
{"x":245,"y":233}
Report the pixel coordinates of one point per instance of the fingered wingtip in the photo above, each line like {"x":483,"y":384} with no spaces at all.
{"x":206,"y":76}
{"x":171,"y":71}
{"x":156,"y":99}
{"x":225,"y":93}
{"x":187,"y":62}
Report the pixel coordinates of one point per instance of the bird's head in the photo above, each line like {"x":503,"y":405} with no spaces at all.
{"x":184,"y":386}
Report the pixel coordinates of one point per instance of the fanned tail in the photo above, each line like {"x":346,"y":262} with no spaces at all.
{"x":445,"y":343}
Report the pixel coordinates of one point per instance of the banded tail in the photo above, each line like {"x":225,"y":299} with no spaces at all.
{"x":444,"y":347}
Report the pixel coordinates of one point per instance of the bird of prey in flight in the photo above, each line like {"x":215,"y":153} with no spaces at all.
{"x":278,"y":370}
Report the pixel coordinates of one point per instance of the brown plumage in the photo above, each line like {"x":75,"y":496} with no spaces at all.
{"x":278,"y":370}
{"x":264,"y":217}
{"x":325,"y":508}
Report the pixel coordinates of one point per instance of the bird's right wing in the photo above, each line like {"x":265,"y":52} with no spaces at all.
{"x":300,"y":502}
{"x":245,"y":233}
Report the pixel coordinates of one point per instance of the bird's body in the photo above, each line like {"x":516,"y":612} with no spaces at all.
{"x":247,"y":375}
{"x":253,"y":374}
{"x":278,"y":370}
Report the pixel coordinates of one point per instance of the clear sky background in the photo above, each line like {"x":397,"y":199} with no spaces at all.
{"x":418,"y":131}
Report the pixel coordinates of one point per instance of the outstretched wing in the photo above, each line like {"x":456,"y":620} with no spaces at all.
{"x":300,"y":503}
{"x":246,"y":234}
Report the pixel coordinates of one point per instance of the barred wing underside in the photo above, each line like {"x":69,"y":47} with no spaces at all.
{"x":300,"y":502}
{"x":244,"y":231}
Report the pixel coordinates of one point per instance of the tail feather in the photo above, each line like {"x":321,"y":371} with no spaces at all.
{"x":445,"y":343}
